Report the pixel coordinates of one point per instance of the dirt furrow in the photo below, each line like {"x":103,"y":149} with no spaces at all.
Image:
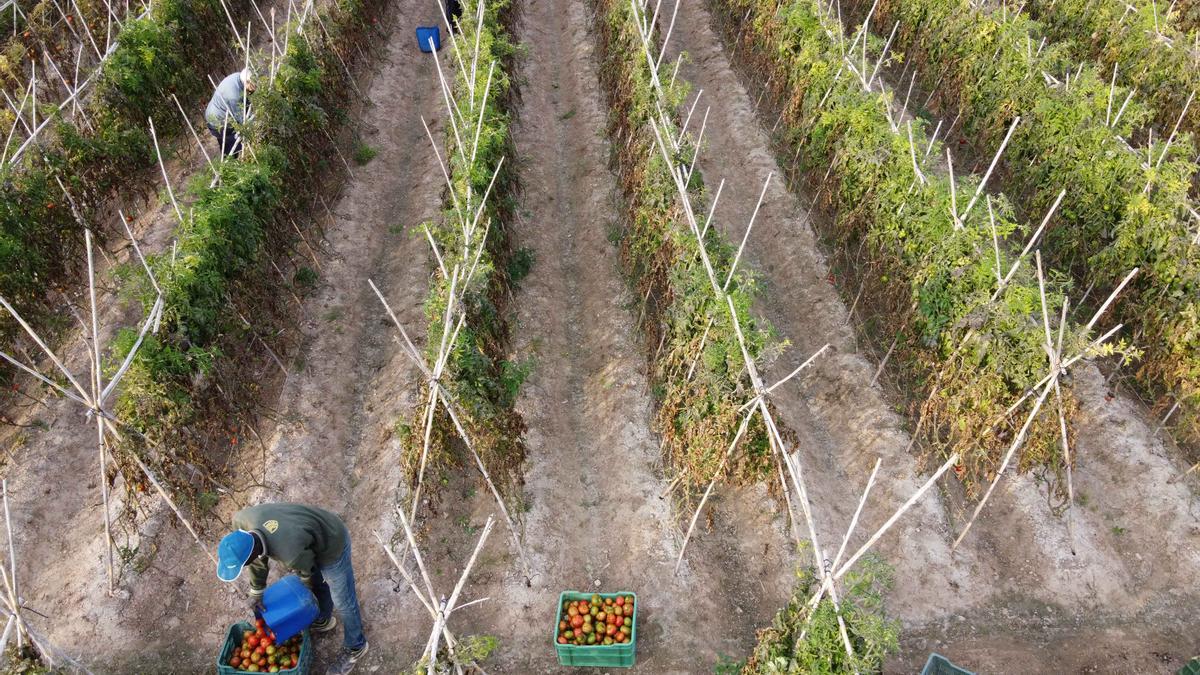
{"x":1016,"y":562}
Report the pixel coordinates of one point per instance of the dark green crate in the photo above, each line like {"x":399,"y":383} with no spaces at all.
{"x":1191,"y":667}
{"x":610,"y":656}
{"x":940,"y":665}
{"x":232,"y":639}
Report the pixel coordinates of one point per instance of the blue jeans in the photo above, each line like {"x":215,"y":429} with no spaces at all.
{"x":334,"y":588}
{"x":228,"y":139}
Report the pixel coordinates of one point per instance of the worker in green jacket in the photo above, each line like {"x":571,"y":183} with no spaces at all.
{"x":227,"y":110}
{"x":314,"y":544}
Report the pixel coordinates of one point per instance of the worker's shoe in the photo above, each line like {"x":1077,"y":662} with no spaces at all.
{"x":345,"y":662}
{"x":325,"y":626}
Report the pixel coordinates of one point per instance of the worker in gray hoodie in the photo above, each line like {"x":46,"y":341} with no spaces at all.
{"x":228,"y":109}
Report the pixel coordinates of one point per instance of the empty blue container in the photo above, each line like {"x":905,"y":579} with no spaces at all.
{"x":427,"y":33}
{"x":288,"y":607}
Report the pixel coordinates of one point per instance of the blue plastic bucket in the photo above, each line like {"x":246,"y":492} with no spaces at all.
{"x":288,"y":607}
{"x":427,"y":33}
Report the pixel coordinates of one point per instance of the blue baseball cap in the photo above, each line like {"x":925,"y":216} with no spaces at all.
{"x":233,"y":554}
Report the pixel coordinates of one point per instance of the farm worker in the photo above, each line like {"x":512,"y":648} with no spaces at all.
{"x":227,"y":108}
{"x":453,"y":13}
{"x":313,"y":543}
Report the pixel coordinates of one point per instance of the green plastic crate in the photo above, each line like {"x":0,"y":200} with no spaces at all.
{"x":1191,"y":667}
{"x":233,"y":638}
{"x":610,"y":656}
{"x":940,"y":665}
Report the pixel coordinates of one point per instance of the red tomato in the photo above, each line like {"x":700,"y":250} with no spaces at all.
{"x":620,"y":600}
{"x":561,"y":641}
{"x":235,"y":662}
{"x":295,"y":661}
{"x":252,"y":641}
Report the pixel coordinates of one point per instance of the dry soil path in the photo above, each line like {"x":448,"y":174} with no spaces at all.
{"x":1014,"y":577}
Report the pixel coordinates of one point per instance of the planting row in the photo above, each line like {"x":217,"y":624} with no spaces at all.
{"x":230,"y":234}
{"x":1148,"y":53}
{"x":477,"y":265}
{"x":166,"y":52}
{"x":1124,"y":208}
{"x":698,"y":372}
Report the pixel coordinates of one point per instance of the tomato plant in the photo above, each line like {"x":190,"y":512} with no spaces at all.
{"x":485,"y":382}
{"x":233,"y":226}
{"x":1126,"y":207}
{"x":967,"y":357}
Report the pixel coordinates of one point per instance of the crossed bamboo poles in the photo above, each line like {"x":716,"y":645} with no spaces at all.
{"x":12,"y":605}
{"x":94,"y":398}
{"x":829,"y":573}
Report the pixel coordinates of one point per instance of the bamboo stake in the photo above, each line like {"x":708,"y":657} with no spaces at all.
{"x":97,"y":387}
{"x":845,"y":540}
{"x":988,"y":174}
{"x":14,"y":593}
{"x":163,"y":167}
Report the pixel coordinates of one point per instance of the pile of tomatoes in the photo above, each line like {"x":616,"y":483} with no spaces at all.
{"x":596,"y":621}
{"x":258,"y":652}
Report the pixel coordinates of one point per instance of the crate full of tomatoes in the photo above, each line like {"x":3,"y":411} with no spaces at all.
{"x":599,"y":629}
{"x":252,"y":648}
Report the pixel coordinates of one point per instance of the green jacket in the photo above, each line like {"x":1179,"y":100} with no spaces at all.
{"x":301,"y":538}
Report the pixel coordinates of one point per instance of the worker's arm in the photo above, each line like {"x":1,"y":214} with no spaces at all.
{"x":258,"y":575}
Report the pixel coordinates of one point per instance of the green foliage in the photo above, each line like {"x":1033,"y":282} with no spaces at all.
{"x":700,"y":377}
{"x":698,"y":407}
{"x":24,"y":661}
{"x":519,"y":264}
{"x":1135,"y":37}
{"x":470,"y":649}
{"x":781,"y":651}
{"x":485,"y":384}
{"x":305,"y":279}
{"x":1120,"y":212}
{"x":153,"y":59}
{"x":935,"y":280}
{"x":364,"y":153}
